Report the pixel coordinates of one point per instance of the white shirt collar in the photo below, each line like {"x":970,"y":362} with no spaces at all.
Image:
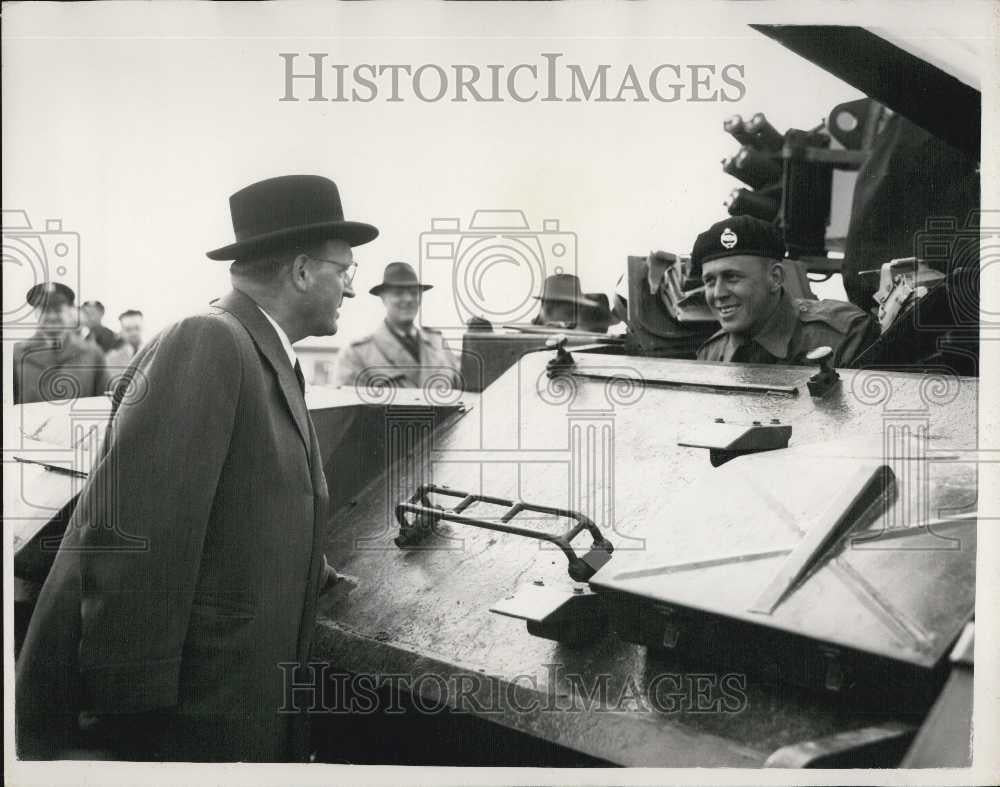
{"x":287,"y":345}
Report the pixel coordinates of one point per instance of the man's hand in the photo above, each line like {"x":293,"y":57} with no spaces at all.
{"x":331,"y":579}
{"x":334,"y":590}
{"x":126,"y":736}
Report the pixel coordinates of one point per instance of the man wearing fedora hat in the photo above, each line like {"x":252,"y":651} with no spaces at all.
{"x":180,"y":607}
{"x":565,"y":305}
{"x":55,"y":363}
{"x":398,"y":352}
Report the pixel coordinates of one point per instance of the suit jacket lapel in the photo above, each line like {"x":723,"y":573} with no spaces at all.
{"x":244,"y":308}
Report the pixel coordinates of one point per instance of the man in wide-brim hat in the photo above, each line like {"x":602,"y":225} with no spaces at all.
{"x":564,"y":305}
{"x":183,"y":600}
{"x":399,"y":352}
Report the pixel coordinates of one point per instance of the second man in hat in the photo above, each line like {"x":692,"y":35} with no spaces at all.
{"x":399,"y":352}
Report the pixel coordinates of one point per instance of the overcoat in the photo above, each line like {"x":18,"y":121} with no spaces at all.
{"x":184,"y":590}
{"x":71,"y":369}
{"x":380,"y":359}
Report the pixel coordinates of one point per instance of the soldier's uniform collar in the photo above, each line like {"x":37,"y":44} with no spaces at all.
{"x":774,"y":337}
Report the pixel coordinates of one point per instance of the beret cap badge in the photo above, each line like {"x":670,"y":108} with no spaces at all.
{"x":737,"y":236}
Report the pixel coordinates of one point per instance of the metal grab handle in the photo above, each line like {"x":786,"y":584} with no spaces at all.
{"x":426,"y":515}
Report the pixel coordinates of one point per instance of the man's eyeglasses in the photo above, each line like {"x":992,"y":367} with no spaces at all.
{"x":347,"y":270}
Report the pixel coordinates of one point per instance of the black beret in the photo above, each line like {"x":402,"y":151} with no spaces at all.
{"x":739,"y":235}
{"x":50,"y":294}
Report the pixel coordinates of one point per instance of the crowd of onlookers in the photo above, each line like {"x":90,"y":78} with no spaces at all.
{"x":118,"y":347}
{"x":72,"y":353}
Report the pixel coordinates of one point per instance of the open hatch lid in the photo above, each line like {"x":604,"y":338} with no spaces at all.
{"x":757,"y":540}
{"x":931,"y":79}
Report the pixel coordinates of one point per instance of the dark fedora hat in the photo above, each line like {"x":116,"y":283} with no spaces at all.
{"x":564,"y":287}
{"x":398,"y":274}
{"x":283,"y":212}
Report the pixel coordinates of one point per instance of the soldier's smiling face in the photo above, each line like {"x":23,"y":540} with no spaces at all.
{"x":742,"y":290}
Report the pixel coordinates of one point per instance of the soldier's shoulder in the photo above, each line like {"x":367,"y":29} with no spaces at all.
{"x":362,"y":341}
{"x":719,"y":336}
{"x":24,"y":350}
{"x":839,"y":315}
{"x":434,"y":336}
{"x":710,"y":348}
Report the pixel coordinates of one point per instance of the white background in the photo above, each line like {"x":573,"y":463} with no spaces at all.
{"x":133,"y":129}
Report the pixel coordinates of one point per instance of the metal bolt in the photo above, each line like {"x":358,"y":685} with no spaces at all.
{"x":756,"y":423}
{"x":823,"y":356}
{"x":775,"y":421}
{"x":538,"y":582}
{"x":720,"y":420}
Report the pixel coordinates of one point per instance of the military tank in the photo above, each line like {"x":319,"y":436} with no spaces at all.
{"x":605,"y":558}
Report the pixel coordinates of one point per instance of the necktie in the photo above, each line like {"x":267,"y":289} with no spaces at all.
{"x":410,"y":344}
{"x":300,"y":377}
{"x":413,"y":346}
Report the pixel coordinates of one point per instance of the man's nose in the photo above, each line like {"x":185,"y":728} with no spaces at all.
{"x":717,"y":290}
{"x":348,"y":291}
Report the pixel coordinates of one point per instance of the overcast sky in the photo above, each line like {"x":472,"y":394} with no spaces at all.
{"x":132,"y":123}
